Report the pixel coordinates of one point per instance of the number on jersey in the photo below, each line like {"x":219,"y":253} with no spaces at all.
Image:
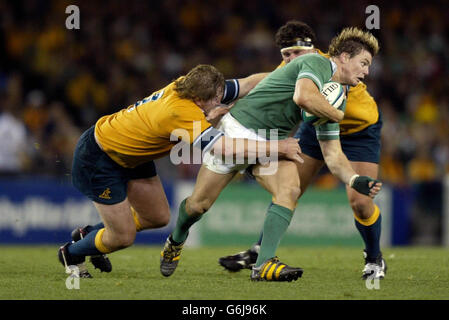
{"x":153,"y":97}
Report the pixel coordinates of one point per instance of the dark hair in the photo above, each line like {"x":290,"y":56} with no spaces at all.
{"x":202,"y":82}
{"x":291,"y":32}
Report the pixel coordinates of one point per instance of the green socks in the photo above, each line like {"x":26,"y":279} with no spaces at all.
{"x":276,"y":223}
{"x":183,"y":224}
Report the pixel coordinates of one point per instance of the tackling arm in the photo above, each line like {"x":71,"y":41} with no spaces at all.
{"x":248,"y":83}
{"x":252,"y":149}
{"x":238,"y":88}
{"x":234,"y":89}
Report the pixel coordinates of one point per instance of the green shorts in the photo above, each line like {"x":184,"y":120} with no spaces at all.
{"x":99,"y":177}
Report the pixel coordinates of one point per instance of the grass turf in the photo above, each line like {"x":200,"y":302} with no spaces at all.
{"x":33,"y":272}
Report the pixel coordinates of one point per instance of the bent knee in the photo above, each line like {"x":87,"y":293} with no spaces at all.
{"x":124,"y":240}
{"x":363,"y":208}
{"x":161,"y":221}
{"x":287,"y":196}
{"x":155,"y":221}
{"x":290,"y":193}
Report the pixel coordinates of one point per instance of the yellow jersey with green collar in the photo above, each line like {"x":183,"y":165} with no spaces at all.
{"x":361,"y":108}
{"x":150,"y":128}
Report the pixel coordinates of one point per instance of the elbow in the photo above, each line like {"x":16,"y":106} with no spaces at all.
{"x":298,"y":99}
{"x":301,"y":100}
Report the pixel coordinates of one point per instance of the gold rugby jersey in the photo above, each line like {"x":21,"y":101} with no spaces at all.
{"x":361,"y":108}
{"x":142,"y":132}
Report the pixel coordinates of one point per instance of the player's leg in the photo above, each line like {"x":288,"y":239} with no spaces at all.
{"x":119,"y":228}
{"x":307,"y":172}
{"x":119,"y":232}
{"x":368,"y":221}
{"x":149,"y":204}
{"x":105,"y":183}
{"x":207,"y":188}
{"x":284,"y":186}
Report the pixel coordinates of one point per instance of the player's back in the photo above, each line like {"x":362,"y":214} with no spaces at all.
{"x":142,"y":131}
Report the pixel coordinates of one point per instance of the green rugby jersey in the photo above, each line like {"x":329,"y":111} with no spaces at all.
{"x":270,"y":104}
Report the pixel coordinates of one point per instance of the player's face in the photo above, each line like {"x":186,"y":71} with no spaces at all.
{"x":208,"y":105}
{"x":290,"y":54}
{"x":357,"y":67}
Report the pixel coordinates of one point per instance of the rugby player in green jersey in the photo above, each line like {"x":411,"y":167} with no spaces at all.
{"x":360,"y":141}
{"x":270,"y":111}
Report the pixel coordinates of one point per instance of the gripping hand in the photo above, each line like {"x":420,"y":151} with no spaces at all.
{"x":365,"y":185}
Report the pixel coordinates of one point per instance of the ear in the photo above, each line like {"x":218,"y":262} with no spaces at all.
{"x":199,"y":103}
{"x":344,"y":57}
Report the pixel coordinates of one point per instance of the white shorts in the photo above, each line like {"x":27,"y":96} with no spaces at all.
{"x":233,"y":129}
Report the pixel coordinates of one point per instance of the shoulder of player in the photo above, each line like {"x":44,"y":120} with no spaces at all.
{"x":324,"y":54}
{"x":359,"y":89}
{"x":314,"y":56}
{"x":313,"y":59}
{"x":184,"y":108}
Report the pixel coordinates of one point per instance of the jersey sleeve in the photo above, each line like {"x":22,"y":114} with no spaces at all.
{"x":328,"y":131}
{"x":317,"y":69}
{"x":231,"y":91}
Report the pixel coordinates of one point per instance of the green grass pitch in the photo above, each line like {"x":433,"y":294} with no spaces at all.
{"x":33,"y":272}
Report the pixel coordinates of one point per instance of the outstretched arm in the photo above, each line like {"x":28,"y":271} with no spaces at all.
{"x":248,"y":83}
{"x":339,"y":166}
{"x":251,"y":149}
{"x":234,"y":89}
{"x":238,"y":88}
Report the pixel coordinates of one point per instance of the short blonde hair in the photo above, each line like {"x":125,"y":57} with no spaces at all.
{"x":352,"y":40}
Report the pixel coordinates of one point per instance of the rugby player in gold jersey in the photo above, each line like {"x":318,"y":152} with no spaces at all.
{"x":113,"y":160}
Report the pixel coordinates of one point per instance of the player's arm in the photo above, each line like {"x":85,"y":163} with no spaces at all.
{"x":234,"y":89}
{"x":248,"y":83}
{"x":339,"y":166}
{"x":308,"y":97}
{"x":238,"y":88}
{"x":252,"y":149}
{"x":216,"y":142}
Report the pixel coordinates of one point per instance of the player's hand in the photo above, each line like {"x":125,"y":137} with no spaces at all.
{"x":341,"y":115}
{"x":289,"y":148}
{"x":366,"y":185}
{"x":215,"y":114}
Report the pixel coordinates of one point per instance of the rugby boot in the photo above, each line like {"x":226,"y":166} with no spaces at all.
{"x":242,"y":260}
{"x":374,"y":269}
{"x":274,"y":270}
{"x":170,"y":256}
{"x":100,"y":261}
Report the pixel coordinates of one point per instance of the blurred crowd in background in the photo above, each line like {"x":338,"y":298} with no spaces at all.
{"x":55,"y":82}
